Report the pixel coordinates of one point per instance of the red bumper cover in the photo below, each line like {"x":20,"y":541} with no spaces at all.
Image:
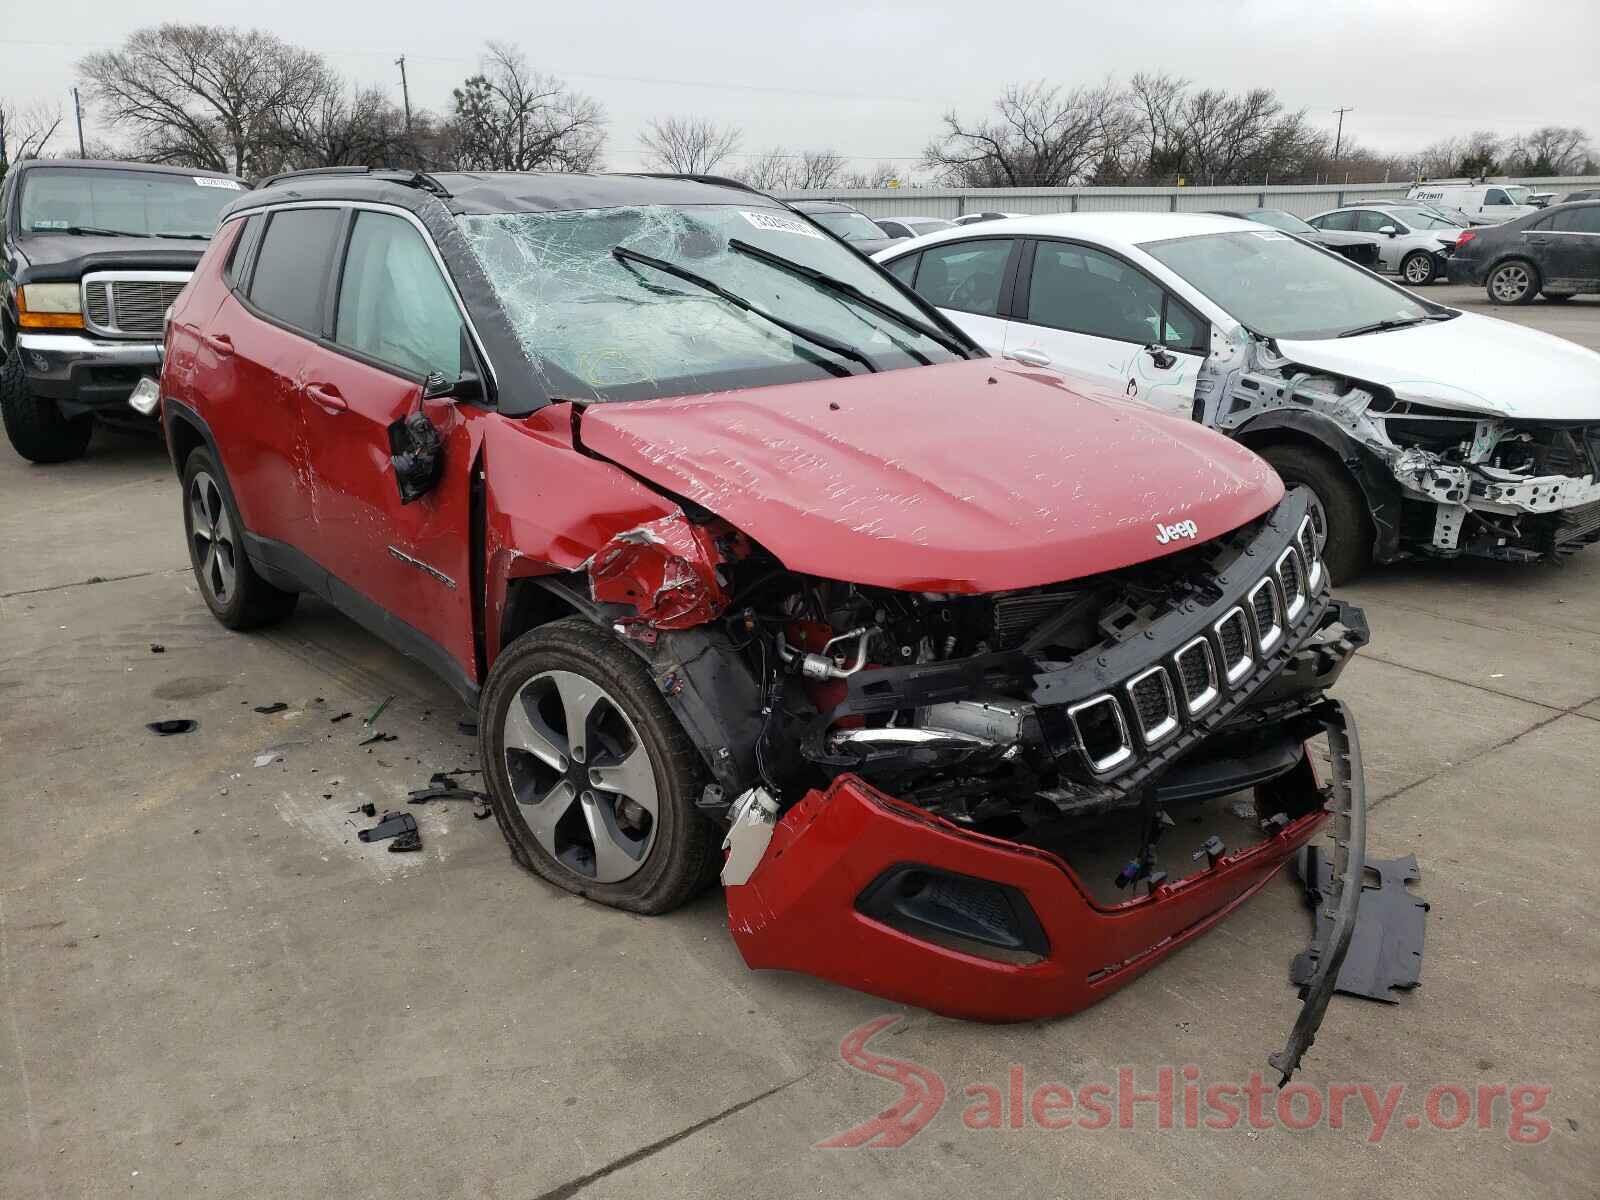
{"x":798,"y":910}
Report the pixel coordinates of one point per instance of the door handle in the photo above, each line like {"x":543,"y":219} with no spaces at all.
{"x":1030,"y":358}
{"x":326,"y":397}
{"x":219,"y":344}
{"x":1160,"y":355}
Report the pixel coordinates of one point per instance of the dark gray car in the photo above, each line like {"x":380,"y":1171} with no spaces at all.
{"x":850,"y":225}
{"x":1554,"y":252}
{"x":91,"y":255}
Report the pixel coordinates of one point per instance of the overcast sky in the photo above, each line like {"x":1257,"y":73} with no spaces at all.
{"x":872,"y":83}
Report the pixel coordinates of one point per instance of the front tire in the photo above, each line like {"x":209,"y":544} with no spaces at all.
{"x":590,"y":776}
{"x":1513,"y":282}
{"x":229,"y":585}
{"x":1418,"y":268}
{"x":1338,"y":507}
{"x":35,"y":425}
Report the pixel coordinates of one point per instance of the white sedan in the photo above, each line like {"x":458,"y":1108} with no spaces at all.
{"x":1420,"y":429}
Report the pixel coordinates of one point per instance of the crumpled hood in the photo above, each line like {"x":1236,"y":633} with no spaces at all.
{"x":1474,"y":363}
{"x":974,"y":476}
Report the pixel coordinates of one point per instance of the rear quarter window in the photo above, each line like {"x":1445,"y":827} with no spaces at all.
{"x":239,"y":254}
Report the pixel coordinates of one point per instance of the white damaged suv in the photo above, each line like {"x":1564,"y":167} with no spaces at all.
{"x":1421,"y":430}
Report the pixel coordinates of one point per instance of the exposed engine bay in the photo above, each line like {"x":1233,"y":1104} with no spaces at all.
{"x":1463,"y":483}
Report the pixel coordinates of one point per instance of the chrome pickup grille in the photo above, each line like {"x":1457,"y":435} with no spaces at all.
{"x":1114,"y":727}
{"x":130,"y":303}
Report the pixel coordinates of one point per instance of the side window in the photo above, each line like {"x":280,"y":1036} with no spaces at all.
{"x":1574,"y":220}
{"x":1496,"y":196}
{"x":291,"y":269}
{"x":1181,"y":329}
{"x":904,"y":269}
{"x":1084,"y":291}
{"x":1342,"y":222}
{"x":965,"y":275}
{"x":893,"y":229}
{"x":394,"y":305}
{"x":239,"y":254}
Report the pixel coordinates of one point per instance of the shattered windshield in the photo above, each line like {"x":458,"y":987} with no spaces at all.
{"x":1280,"y":287}
{"x":599,"y":326}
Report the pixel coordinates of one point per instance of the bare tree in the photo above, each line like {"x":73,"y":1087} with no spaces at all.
{"x":338,"y":126}
{"x":1549,"y":150}
{"x":687,"y":145}
{"x":876,"y":176}
{"x":815,"y":169}
{"x":511,"y":118}
{"x":25,"y":132}
{"x":1041,"y":136}
{"x":202,"y":95}
{"x":768,"y":171}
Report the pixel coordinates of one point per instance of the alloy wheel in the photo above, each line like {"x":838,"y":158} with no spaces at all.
{"x":1418,"y":269}
{"x":211,"y":537}
{"x":581,"y":776}
{"x":1510,"y":283}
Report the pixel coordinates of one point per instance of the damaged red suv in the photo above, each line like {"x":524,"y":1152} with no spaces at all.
{"x":734,"y":541}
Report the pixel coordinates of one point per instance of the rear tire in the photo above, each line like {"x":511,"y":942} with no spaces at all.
{"x":608,"y":813}
{"x":1515,"y":281}
{"x":1419,"y":268}
{"x":1347,"y":525}
{"x":229,"y":585}
{"x":35,"y":425}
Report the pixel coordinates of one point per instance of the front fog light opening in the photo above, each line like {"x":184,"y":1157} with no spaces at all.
{"x":947,"y":908}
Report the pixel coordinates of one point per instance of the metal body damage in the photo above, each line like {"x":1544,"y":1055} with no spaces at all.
{"x":922,"y":617}
{"x":1438,"y":480}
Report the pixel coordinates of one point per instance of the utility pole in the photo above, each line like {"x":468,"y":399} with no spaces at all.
{"x":1338,"y":138}
{"x":77,"y":110}
{"x":405,"y":92}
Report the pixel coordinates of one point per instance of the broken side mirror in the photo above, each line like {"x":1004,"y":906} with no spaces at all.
{"x":417,"y":455}
{"x":464,"y":387}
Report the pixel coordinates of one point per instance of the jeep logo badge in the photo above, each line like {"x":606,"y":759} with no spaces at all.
{"x":1171,"y":533}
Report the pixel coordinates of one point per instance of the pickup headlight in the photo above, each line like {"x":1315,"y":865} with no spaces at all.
{"x":49,"y":306}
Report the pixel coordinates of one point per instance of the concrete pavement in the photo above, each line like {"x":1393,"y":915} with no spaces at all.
{"x":209,"y":987}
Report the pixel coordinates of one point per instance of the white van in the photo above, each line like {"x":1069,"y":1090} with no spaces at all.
{"x":1480,"y":203}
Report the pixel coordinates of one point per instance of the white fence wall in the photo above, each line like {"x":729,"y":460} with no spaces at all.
{"x":1302,"y":200}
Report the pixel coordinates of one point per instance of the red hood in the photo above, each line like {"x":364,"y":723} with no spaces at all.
{"x":970,"y":477}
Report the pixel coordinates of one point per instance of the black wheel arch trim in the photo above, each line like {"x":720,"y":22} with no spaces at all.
{"x":1371,"y":473}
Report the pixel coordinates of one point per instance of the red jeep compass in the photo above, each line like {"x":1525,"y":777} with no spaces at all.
{"x":734,"y":541}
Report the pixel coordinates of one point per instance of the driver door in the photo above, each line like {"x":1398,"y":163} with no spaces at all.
{"x":395,"y":321}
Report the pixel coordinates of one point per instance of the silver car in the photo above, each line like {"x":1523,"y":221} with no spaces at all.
{"x":1411,"y":241}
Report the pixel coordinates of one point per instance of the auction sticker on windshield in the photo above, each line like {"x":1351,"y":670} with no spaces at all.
{"x":231,"y":184}
{"x":778,"y":223}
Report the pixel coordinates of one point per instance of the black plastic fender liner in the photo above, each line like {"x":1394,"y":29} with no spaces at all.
{"x":1366,"y":467}
{"x":1348,"y":805}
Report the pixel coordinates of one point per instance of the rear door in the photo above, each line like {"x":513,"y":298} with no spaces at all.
{"x":251,"y":365}
{"x":1567,"y":249}
{"x":394,"y":319}
{"x":1338,"y":229}
{"x":1095,"y":316}
{"x":970,"y":281}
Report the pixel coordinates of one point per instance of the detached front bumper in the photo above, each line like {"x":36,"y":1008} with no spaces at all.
{"x":868,"y":891}
{"x":84,"y":374}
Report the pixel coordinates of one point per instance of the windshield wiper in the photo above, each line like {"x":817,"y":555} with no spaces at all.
{"x":623,"y":254}
{"x":185,"y":237}
{"x":1385,"y":325}
{"x":843,"y":288}
{"x":95,"y":231}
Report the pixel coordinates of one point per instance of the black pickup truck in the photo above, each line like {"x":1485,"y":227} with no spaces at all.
{"x":91,"y":255}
